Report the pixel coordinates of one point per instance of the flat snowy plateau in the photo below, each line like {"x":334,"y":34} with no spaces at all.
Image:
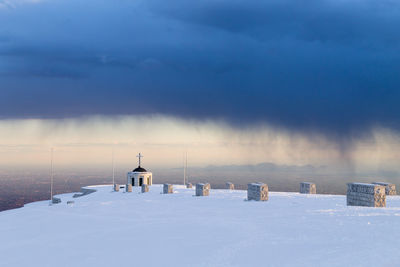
{"x":108,"y":228}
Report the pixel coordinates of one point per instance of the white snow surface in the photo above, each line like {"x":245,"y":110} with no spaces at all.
{"x":108,"y":228}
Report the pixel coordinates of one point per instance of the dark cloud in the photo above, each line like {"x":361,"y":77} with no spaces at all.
{"x":325,"y":66}
{"x":310,"y":20}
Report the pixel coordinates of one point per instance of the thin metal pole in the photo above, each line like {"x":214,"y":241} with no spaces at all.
{"x":184,"y":172}
{"x":186,"y":180}
{"x":51,"y":177}
{"x":113,"y":167}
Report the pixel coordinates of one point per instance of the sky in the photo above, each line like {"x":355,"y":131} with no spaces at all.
{"x":292,"y":82}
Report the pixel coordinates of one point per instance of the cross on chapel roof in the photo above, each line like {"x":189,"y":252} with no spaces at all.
{"x":140,"y":169}
{"x":140,"y":157}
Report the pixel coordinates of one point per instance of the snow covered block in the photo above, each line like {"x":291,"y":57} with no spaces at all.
{"x":230,"y":186}
{"x":368,"y":195}
{"x":257,"y":191}
{"x":168,"y":189}
{"x":145,"y":188}
{"x":203,"y":189}
{"x":308,"y":188}
{"x":390,"y":189}
{"x":116,"y":187}
{"x":189,"y":185}
{"x":56,"y":200}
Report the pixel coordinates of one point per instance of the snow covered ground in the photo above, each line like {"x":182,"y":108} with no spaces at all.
{"x":132,"y":229}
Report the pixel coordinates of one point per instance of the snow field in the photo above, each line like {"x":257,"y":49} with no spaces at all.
{"x":108,"y":228}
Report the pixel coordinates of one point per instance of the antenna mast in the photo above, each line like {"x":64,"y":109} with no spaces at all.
{"x":113,"y":166}
{"x":185,"y":170}
{"x":51,"y":177}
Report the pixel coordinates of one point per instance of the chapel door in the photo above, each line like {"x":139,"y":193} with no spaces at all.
{"x":140,"y":181}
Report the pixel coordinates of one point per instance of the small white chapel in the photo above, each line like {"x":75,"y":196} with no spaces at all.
{"x":139,"y":176}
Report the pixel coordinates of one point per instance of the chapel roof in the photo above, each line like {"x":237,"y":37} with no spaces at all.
{"x":139,"y":169}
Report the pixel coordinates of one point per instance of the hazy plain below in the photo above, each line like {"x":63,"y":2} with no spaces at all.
{"x":25,"y":184}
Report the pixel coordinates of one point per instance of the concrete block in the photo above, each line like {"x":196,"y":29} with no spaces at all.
{"x":230,"y":186}
{"x":308,"y":188}
{"x":368,"y":195}
{"x":145,"y":188}
{"x":202,"y":189}
{"x":257,"y":191}
{"x":168,"y":189}
{"x":189,"y":185}
{"x":56,"y":200}
{"x":390,"y":189}
{"x":128,"y":188}
{"x":116,"y":187}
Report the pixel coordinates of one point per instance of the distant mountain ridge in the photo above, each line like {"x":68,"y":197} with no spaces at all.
{"x":265,"y":166}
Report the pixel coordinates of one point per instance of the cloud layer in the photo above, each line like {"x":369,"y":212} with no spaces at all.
{"x":327,"y":66}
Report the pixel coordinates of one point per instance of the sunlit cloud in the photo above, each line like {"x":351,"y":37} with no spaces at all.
{"x":163,"y":140}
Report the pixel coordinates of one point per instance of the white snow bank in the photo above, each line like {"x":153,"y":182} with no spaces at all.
{"x":108,"y":228}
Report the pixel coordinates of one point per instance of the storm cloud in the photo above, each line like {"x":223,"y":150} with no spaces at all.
{"x":326,"y":66}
